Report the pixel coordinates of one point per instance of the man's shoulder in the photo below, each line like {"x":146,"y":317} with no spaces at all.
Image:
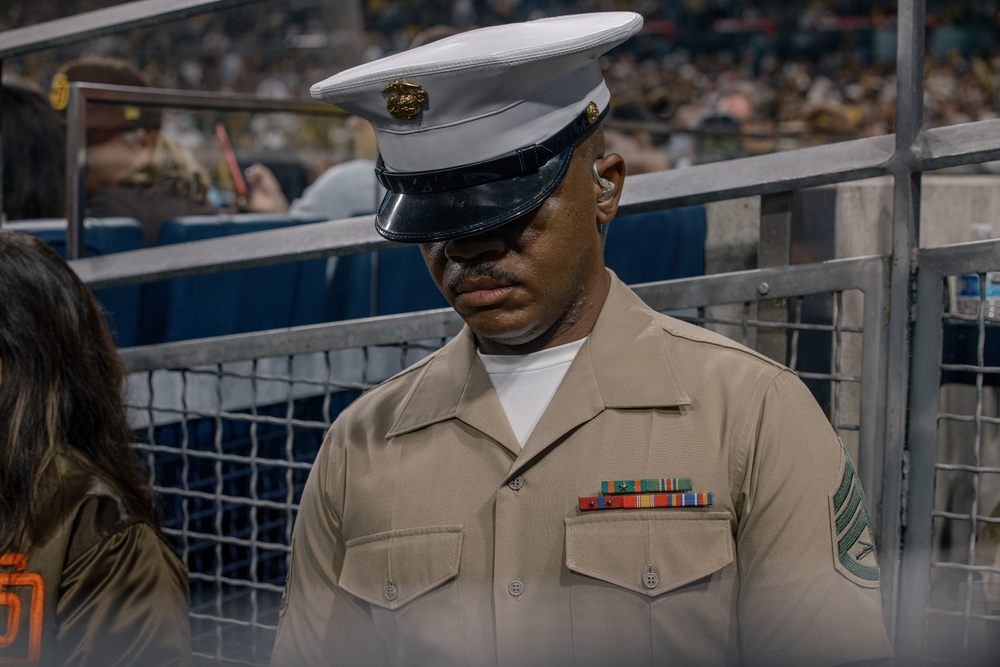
{"x":683,"y":337}
{"x":690,"y":342}
{"x":693,"y":337}
{"x":386,"y":398}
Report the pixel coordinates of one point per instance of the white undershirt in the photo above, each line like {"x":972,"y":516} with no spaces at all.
{"x":527,"y":382}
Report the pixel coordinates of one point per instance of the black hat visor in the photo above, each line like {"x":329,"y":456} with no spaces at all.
{"x":437,"y":206}
{"x":439,"y":216}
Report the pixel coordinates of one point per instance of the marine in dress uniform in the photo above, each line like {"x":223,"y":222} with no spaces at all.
{"x":575,"y":479}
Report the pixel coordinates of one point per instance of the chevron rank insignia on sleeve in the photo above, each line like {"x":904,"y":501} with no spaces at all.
{"x":854,"y":552}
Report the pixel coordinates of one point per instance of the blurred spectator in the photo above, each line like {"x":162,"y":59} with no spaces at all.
{"x":342,"y":191}
{"x":718,"y":138}
{"x":433,"y":34}
{"x":99,"y":585}
{"x":34,"y":155}
{"x":133,"y":169}
{"x":627,"y":134}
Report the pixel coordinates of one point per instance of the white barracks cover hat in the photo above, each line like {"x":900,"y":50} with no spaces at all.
{"x":479,"y":128}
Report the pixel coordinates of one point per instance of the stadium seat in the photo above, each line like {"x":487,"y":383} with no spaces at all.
{"x":101,"y":237}
{"x":232,"y":301}
{"x":402,"y":285}
{"x":960,"y":347}
{"x":658,"y":245}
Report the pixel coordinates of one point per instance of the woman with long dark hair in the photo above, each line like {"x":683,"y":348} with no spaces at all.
{"x":85,"y":575}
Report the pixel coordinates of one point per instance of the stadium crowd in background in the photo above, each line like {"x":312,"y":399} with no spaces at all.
{"x":809,"y":72}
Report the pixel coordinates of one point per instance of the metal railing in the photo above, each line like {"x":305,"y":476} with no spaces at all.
{"x":954,"y":443}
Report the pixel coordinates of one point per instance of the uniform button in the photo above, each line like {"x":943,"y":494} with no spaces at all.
{"x":390,"y":593}
{"x":515,"y":588}
{"x":650,"y":580}
{"x":516,"y":483}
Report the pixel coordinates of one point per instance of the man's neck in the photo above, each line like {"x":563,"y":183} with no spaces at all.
{"x":576,"y":324}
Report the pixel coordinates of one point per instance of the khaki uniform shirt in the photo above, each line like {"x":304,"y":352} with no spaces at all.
{"x":426,"y":535}
{"x":102,"y":589}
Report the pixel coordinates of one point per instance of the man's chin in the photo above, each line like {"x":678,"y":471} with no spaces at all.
{"x":503,"y":336}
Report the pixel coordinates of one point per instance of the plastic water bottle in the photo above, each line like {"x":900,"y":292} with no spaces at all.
{"x":969,"y":288}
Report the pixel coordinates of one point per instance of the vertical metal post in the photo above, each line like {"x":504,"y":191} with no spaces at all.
{"x":76,"y":165}
{"x":774,"y":249}
{"x":2,"y":216}
{"x":905,"y":241}
{"x":914,"y":588}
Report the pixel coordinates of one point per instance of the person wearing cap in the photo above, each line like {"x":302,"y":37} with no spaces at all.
{"x":133,"y":170}
{"x":482,"y":507}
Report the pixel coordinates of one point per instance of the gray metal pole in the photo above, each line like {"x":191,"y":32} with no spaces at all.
{"x":76,"y":165}
{"x":101,"y":22}
{"x":905,"y":241}
{"x":2,"y":216}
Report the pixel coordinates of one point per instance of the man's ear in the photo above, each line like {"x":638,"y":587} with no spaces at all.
{"x":611,"y":168}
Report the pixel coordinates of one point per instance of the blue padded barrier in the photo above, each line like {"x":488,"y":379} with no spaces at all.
{"x":658,"y":245}
{"x":234,"y":301}
{"x":101,"y":236}
{"x":403,"y":285}
{"x":641,"y":247}
{"x":349,"y":292}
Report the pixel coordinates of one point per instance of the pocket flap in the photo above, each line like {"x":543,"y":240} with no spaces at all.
{"x":390,"y":569}
{"x":624,"y":549}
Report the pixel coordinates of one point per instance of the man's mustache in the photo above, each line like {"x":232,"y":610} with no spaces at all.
{"x":485,"y":270}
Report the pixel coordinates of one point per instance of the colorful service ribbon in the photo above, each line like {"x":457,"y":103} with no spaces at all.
{"x":645,"y":500}
{"x":646,"y":485}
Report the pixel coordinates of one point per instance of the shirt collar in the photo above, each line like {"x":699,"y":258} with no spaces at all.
{"x":610,"y":371}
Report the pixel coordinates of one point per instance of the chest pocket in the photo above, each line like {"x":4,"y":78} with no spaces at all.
{"x":654,"y":583}
{"x":649,"y":551}
{"x":393,"y":568}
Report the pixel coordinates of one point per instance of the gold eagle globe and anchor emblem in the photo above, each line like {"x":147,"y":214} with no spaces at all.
{"x":405,"y":99}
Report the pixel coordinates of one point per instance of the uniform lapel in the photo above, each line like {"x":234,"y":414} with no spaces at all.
{"x":624,"y":364}
{"x":454,"y":385}
{"x":480,"y":408}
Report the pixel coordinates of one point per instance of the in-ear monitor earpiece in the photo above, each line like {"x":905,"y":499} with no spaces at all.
{"x":607,"y":187}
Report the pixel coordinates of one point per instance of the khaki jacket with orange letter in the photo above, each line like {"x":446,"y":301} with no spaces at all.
{"x":426,"y":535}
{"x":101,"y":589}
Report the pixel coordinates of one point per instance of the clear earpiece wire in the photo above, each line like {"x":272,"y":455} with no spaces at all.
{"x":607,"y":187}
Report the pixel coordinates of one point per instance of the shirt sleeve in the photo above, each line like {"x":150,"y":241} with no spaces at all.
{"x":124,"y":601}
{"x":320,"y":624}
{"x":809,"y":586}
